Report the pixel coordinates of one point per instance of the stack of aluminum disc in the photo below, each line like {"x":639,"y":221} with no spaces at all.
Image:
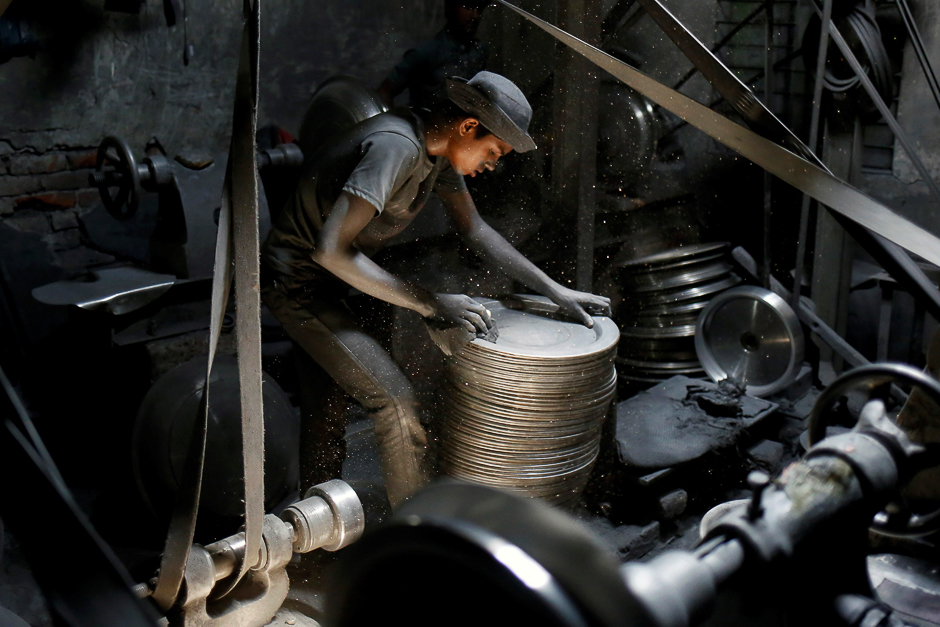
{"x":525,"y":412}
{"x":663,"y":295}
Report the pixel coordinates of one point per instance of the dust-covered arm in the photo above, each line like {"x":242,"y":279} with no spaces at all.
{"x":336,"y":253}
{"x":495,"y":250}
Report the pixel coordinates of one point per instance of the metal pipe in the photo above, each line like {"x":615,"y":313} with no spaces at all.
{"x":812,"y":143}
{"x":768,"y":98}
{"x":724,"y":560}
{"x":225,"y":554}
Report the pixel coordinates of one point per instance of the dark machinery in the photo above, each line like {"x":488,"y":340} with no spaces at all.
{"x":117,"y":169}
{"x":338,"y":103}
{"x":164,"y":424}
{"x":795,"y":553}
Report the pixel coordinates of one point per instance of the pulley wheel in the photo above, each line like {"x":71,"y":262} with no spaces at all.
{"x":121,"y":174}
{"x":864,"y":38}
{"x":899,"y":520}
{"x":338,"y":104}
{"x":750,"y":335}
{"x":627,"y":133}
{"x":162,"y":432}
{"x":480,"y":556}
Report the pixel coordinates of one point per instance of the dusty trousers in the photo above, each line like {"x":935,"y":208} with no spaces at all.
{"x":329,"y":332}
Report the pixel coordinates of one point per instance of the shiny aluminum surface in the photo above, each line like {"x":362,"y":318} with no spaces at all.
{"x":655,"y":281}
{"x":684,"y":295}
{"x":114,"y":290}
{"x":678,"y":255}
{"x":752,"y":336}
{"x":627,"y":133}
{"x":525,"y":413}
{"x":663,"y":296}
{"x":339,"y":103}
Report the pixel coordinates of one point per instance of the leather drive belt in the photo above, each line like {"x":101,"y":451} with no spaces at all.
{"x":739,"y":95}
{"x":237,"y":237}
{"x":807,"y":176}
{"x":765,"y":123}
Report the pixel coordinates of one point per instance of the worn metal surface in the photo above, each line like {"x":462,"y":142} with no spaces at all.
{"x":899,"y":521}
{"x":114,"y":290}
{"x":806,"y":313}
{"x":751,"y":336}
{"x":907,"y":584}
{"x":664,"y":294}
{"x":665,"y":425}
{"x":337,"y":104}
{"x":330,"y":517}
{"x":257,"y":597}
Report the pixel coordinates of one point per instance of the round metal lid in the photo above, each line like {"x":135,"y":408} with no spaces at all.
{"x":694,"y":307}
{"x":676,"y":296}
{"x":529,"y":333}
{"x":683,"y":253}
{"x":683,"y":265}
{"x":750,"y":335}
{"x":663,"y":281}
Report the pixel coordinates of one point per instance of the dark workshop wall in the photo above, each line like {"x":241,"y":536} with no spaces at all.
{"x":99,"y":73}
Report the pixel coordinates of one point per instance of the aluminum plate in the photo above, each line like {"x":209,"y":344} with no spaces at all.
{"x":528,"y":333}
{"x":525,"y":413}
{"x":684,"y":253}
{"x":751,"y":335}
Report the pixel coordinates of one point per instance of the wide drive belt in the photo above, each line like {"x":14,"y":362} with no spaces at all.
{"x":806,"y":176}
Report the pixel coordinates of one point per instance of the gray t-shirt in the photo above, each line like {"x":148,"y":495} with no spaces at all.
{"x":384,"y":161}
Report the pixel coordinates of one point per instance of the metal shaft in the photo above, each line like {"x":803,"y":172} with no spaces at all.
{"x":812,"y":143}
{"x":768,"y":102}
{"x":226,"y":555}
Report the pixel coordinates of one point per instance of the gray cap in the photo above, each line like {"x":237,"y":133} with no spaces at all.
{"x":498,"y":104}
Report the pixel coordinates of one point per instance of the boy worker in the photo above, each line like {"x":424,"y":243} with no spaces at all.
{"x":355,"y":195}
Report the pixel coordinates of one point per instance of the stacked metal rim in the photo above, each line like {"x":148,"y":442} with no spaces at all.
{"x":663,"y":295}
{"x":525,"y":412}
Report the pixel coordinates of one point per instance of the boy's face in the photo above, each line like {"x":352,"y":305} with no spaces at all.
{"x":471,"y":154}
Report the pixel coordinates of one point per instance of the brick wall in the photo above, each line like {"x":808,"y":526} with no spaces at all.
{"x":46,"y":194}
{"x":101,"y":73}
